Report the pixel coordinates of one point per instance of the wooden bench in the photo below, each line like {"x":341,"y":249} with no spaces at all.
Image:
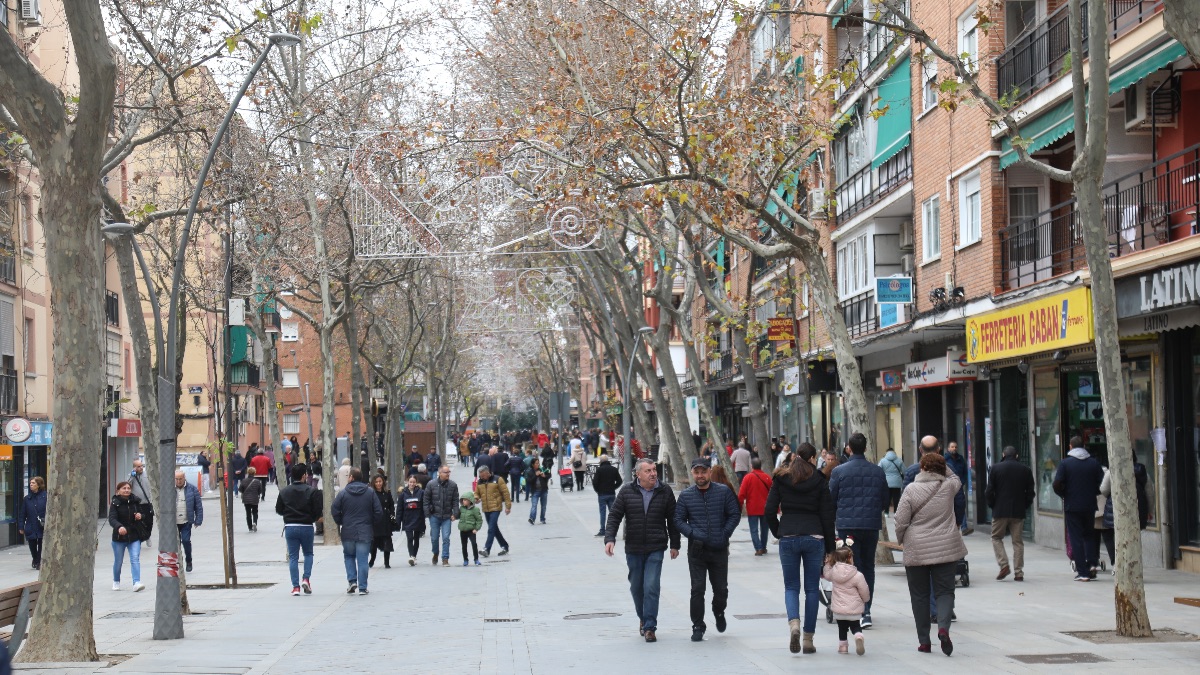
{"x":1194,"y":602}
{"x":16,"y":607}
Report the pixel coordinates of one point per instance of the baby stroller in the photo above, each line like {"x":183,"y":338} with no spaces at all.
{"x":962,"y":573}
{"x":566,"y":480}
{"x":825,"y":594}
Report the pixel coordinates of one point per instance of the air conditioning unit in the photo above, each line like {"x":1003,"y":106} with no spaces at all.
{"x":907,"y":264}
{"x":745,"y":411}
{"x":31,"y":11}
{"x":816,"y":203}
{"x":906,"y":237}
{"x":742,"y":396}
{"x":1144,"y":108}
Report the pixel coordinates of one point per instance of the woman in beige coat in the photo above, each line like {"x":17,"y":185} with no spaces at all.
{"x":933,"y":545}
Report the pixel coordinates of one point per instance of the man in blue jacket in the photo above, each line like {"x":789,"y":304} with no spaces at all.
{"x":707,"y":514}
{"x":860,"y":494}
{"x":189,"y":513}
{"x":1077,"y":481}
{"x":356,"y":509}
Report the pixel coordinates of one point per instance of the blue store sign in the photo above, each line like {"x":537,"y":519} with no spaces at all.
{"x":894,"y":290}
{"x":20,"y":431}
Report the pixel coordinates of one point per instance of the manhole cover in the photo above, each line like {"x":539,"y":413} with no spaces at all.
{"x":129,"y":615}
{"x":239,"y":587}
{"x":501,"y":620}
{"x":1059,"y":659}
{"x":750,"y":617}
{"x":1110,"y":637}
{"x":594,"y":615}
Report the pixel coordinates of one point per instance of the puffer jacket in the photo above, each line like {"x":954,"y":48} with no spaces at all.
{"x":356,"y":509}
{"x":925,"y":522}
{"x":647,"y":530}
{"x":252,"y":491}
{"x":893,"y":469}
{"x":807,"y":508}
{"x":493,"y":495}
{"x":469,"y":518}
{"x":411,"y":509}
{"x":121,"y":514}
{"x":960,"y":499}
{"x":708,"y":517}
{"x":850,"y":591}
{"x":441,"y":499}
{"x":860,"y":494}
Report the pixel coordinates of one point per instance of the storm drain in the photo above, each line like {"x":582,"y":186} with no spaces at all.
{"x":1059,"y":659}
{"x":501,"y":620}
{"x":751,"y":617}
{"x":594,"y":615}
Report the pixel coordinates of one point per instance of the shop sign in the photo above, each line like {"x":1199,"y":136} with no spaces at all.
{"x":124,"y":428}
{"x":791,"y":381}
{"x":5,"y":453}
{"x":1053,"y":322}
{"x":1158,"y":290}
{"x":893,"y":290}
{"x":21,"y":431}
{"x":940,"y":371}
{"x":891,"y":380}
{"x":781,"y":330}
{"x":958,"y":368}
{"x":1158,"y":322}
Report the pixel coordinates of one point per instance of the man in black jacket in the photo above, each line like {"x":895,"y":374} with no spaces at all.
{"x":648,"y":508}
{"x":1009,"y":494}
{"x":605,"y":483}
{"x":300,"y":506}
{"x":707,"y":514}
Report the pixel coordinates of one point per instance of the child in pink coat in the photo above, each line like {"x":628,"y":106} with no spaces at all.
{"x":850,"y":594}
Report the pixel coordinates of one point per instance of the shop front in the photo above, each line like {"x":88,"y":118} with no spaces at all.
{"x":793,"y":423}
{"x":943,"y":389}
{"x":826,"y":408}
{"x":24,"y":453}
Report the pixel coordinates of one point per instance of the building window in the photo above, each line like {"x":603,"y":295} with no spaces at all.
{"x":1023,"y":208}
{"x":289,"y":331}
{"x":852,"y":267}
{"x":112,"y":360}
{"x":929,"y":90}
{"x":931,"y":230}
{"x":290,"y":377}
{"x":112,"y":308}
{"x":969,"y":214}
{"x":128,"y":369}
{"x":968,"y":37}
{"x":291,"y":424}
{"x":804,"y":299}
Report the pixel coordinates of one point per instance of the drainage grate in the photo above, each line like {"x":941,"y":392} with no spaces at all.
{"x":501,"y":620}
{"x":1059,"y":659}
{"x":594,"y":615}
{"x":240,"y":587}
{"x":497,"y":562}
{"x":749,"y":617}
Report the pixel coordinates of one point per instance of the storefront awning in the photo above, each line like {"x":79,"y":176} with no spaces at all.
{"x":1060,"y":120}
{"x":894,"y":127}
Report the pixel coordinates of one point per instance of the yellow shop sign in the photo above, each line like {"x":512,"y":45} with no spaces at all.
{"x":1052,"y":322}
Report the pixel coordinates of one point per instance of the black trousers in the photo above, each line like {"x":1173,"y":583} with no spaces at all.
{"x":919,"y":577}
{"x":579,"y":479}
{"x":464,"y":536}
{"x":713,"y":563}
{"x":35,"y":549}
{"x":414,"y":537}
{"x":847,"y":628}
{"x":251,"y":515}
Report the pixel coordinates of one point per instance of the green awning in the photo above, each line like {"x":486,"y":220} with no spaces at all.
{"x":1060,"y":120}
{"x":239,"y":338}
{"x":721,"y":255}
{"x":841,"y":11}
{"x":894,"y":127}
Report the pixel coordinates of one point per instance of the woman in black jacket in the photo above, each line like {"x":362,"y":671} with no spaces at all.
{"x":411,"y":514}
{"x":383,"y":528}
{"x":123,"y":516}
{"x":805,"y":534}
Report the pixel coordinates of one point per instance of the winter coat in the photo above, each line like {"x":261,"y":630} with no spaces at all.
{"x":139,"y":485}
{"x":1141,"y":478}
{"x":893,"y":469}
{"x":441,"y":499}
{"x":850,"y":591}
{"x":1077,"y":481}
{"x":493,"y":494}
{"x":516,"y":466}
{"x":422,"y":479}
{"x":432,"y":463}
{"x":807,"y":508}
{"x":579,"y":459}
{"x":537,"y":481}
{"x":960,"y":499}
{"x":120,"y":514}
{"x":958,"y":464}
{"x":342,"y":477}
{"x":860,"y":494}
{"x":647,"y":530}
{"x":607,"y":479}
{"x":925,"y":522}
{"x":753,"y":492}
{"x":194,"y":506}
{"x":383,"y":528}
{"x":299,"y":504}
{"x":411,"y":510}
{"x":356,"y":510}
{"x":469,"y":518}
{"x":262,"y":465}
{"x":709,"y":517}
{"x":238,"y":463}
{"x":252,"y":491}
{"x":740,"y":460}
{"x":1010,"y":489}
{"x":33,"y":515}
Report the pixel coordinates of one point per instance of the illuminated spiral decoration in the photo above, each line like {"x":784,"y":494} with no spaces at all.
{"x":571,"y":228}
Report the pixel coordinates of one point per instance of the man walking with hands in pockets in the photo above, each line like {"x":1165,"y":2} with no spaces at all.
{"x":707,"y":514}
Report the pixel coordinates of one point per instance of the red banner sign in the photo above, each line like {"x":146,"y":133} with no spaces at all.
{"x":128,"y":428}
{"x":781,"y":330}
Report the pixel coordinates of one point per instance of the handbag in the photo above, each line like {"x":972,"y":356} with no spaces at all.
{"x":144,"y":527}
{"x":577,"y":464}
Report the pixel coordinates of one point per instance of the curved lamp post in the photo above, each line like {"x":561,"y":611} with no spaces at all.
{"x":644,"y":330}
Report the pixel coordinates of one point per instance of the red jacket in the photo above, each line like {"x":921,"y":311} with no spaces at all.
{"x":262,"y":465}
{"x":753,"y":494}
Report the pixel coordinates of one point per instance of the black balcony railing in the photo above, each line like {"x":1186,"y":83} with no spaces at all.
{"x":245,"y":373}
{"x":8,"y":266}
{"x":720,"y":368}
{"x":860,"y":314}
{"x":8,"y":390}
{"x":112,"y":309}
{"x":1039,"y":57}
{"x":1140,"y":210}
{"x":868,"y":186}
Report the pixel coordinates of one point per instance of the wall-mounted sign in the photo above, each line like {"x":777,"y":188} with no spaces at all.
{"x":195,"y":390}
{"x":1158,"y":290}
{"x":939,"y":371}
{"x":891,"y":380}
{"x":1052,"y":322}
{"x":124,"y":428}
{"x":21,"y":431}
{"x":791,"y":381}
{"x":898,"y":290}
{"x":781,"y":329}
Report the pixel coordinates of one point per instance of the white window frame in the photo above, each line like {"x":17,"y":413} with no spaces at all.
{"x":968,"y":36}
{"x":291,"y":423}
{"x":289,"y":331}
{"x":854,"y":266}
{"x":970,"y":209}
{"x":931,"y":229}
{"x":929,"y":88}
{"x":762,"y":43}
{"x":295,"y":377}
{"x":804,"y":299}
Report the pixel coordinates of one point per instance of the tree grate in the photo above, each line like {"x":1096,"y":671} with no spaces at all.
{"x":1059,"y":659}
{"x":501,"y":620}
{"x":259,"y":585}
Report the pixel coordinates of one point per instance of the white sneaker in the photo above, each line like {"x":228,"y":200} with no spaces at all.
{"x":139,"y":587}
{"x":116,"y":585}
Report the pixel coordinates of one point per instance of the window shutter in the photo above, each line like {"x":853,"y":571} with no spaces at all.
{"x":7,"y":341}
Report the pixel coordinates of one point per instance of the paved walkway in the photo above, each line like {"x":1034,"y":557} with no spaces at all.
{"x":438,"y":620}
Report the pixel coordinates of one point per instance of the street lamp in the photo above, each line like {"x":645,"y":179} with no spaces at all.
{"x":643,"y":331}
{"x":168,"y":617}
{"x":116,"y":230}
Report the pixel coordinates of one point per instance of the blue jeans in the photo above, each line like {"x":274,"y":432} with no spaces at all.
{"x":185,"y":538}
{"x":644,"y":572}
{"x":606,"y":502}
{"x":440,"y":526}
{"x":534,"y":498}
{"x":494,"y":534}
{"x":135,"y":559}
{"x":355,"y":554}
{"x":299,"y":537}
{"x":792,"y":552}
{"x":758,"y":532}
{"x":514,"y":484}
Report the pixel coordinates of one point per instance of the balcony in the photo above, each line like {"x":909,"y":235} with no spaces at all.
{"x":8,"y":390}
{"x":869,"y":186}
{"x":1142,"y":210}
{"x":244,"y":373}
{"x":720,"y":367}
{"x":1039,"y":57}
{"x":871,"y":52}
{"x":860,"y":314}
{"x":8,"y":261}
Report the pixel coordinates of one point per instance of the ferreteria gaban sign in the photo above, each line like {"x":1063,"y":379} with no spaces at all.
{"x":1051,"y":322}
{"x":1161,"y":289}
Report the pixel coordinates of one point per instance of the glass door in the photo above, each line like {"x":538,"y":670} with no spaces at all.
{"x":1047,"y":436}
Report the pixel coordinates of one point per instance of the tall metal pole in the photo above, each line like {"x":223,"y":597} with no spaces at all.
{"x":231,"y":422}
{"x":168,"y":615}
